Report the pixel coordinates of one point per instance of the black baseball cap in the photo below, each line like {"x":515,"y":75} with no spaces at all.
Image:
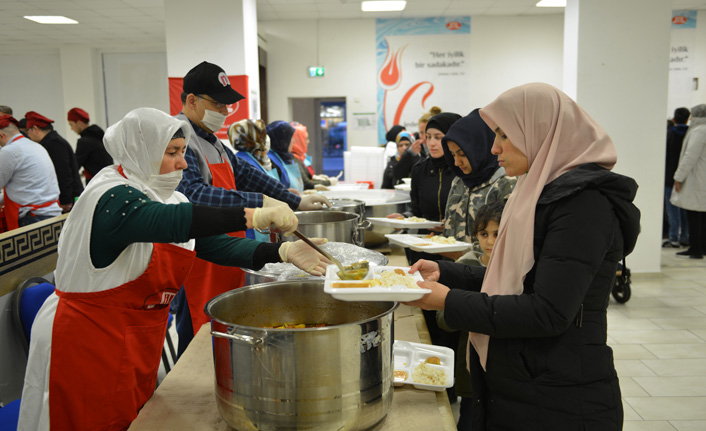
{"x":209,"y":79}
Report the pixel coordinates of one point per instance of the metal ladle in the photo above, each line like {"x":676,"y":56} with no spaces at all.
{"x":356,"y":271}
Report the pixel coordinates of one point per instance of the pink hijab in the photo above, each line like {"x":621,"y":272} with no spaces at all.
{"x":556,"y":135}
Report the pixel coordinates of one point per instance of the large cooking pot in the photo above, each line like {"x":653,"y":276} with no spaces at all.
{"x":333,"y":225}
{"x":337,"y":377}
{"x":347,"y":205}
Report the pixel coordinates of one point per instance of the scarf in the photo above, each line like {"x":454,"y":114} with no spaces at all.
{"x":250,"y":136}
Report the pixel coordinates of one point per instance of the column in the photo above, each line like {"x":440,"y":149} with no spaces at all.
{"x":616,"y":64}
{"x":81,"y":87}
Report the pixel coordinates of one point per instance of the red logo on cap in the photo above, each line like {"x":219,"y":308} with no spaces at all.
{"x":453,"y":25}
{"x":224,"y":79}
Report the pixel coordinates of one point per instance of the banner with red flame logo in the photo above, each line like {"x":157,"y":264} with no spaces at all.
{"x":422,"y":62}
{"x":236,"y":112}
{"x":681,"y":61}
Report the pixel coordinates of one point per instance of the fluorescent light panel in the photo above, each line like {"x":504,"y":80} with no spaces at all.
{"x":551,"y":3}
{"x":51,"y":19}
{"x":382,"y":6}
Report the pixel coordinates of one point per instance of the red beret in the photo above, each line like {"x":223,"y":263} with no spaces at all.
{"x":6,"y":120}
{"x":78,"y":114}
{"x":35,"y":119}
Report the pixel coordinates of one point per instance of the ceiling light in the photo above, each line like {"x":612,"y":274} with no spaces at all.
{"x":552,"y":3}
{"x":51,"y":19}
{"x":382,"y":6}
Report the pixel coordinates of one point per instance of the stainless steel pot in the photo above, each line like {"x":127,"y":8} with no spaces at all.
{"x":337,"y":377}
{"x":333,"y":225}
{"x":348,"y":205}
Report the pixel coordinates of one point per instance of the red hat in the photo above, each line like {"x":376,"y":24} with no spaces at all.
{"x":35,"y":119}
{"x":78,"y":114}
{"x":6,"y":120}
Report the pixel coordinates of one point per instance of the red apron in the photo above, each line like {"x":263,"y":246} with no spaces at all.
{"x":208,"y":280}
{"x":106,"y":346}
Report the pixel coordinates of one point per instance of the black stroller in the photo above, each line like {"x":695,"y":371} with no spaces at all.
{"x":621,"y":288}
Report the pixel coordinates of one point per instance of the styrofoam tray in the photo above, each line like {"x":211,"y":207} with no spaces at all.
{"x":403,"y":187}
{"x":400,"y":293}
{"x":419,"y":243}
{"x":404,"y":224}
{"x":409,"y":355}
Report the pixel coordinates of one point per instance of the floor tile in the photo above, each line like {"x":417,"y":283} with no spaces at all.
{"x":690,"y":386}
{"x":668,"y":408}
{"x":689,"y":425}
{"x":676,"y":367}
{"x":632,"y":351}
{"x":632,"y":368}
{"x":676,"y":351}
{"x":648,"y":426}
{"x":654,"y":337}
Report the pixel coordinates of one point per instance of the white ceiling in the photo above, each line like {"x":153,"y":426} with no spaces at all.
{"x":114,"y":23}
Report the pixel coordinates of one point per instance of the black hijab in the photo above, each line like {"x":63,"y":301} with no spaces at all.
{"x":475,"y":139}
{"x":280,"y":133}
{"x":391,"y":134}
{"x":442,"y":122}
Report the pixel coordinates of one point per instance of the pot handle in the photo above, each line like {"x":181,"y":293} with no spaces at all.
{"x":246,"y":339}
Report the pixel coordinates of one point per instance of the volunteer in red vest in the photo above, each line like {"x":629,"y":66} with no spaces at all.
{"x":31,"y":192}
{"x":40,"y":130}
{"x":215,"y":176}
{"x":125,"y":250}
{"x":90,"y":151}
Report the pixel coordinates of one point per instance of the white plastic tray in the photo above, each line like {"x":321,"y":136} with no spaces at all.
{"x":419,"y":243}
{"x":403,"y":224}
{"x":377,"y":293}
{"x":403,"y":187}
{"x":409,"y":355}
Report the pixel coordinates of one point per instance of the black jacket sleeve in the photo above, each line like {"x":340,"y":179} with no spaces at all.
{"x":403,"y":168}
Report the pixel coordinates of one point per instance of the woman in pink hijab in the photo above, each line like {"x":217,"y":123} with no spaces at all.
{"x":537,"y":315}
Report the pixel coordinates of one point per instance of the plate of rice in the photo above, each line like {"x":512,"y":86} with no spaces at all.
{"x":383,"y":283}
{"x":423,"y":365}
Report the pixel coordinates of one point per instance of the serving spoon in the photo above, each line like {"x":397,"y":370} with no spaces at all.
{"x":356,"y":271}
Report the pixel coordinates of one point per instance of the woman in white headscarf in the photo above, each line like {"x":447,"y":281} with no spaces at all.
{"x":537,"y":315}
{"x":124,"y":251}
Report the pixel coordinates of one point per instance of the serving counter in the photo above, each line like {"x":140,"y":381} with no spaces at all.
{"x":185,"y":401}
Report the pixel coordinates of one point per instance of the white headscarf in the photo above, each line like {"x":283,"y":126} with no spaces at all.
{"x":556,"y":135}
{"x":137,"y":143}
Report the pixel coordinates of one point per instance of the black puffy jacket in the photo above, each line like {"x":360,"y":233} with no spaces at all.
{"x":549,"y":367}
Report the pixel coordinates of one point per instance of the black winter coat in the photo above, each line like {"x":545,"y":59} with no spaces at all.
{"x":675,"y":140}
{"x":431,"y":183}
{"x":64,"y":159}
{"x":549,"y":367}
{"x":90,"y":151}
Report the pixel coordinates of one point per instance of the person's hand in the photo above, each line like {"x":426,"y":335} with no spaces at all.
{"x":396,"y":216}
{"x":333,"y":180}
{"x":314,"y":202}
{"x":66,"y":207}
{"x":428,"y":268}
{"x":320,"y":177}
{"x":320,"y":188}
{"x":435,"y":300}
{"x":271,"y":202}
{"x":416,"y":147}
{"x":304,"y":257}
{"x":282,"y":217}
{"x":295,"y":191}
{"x":677,"y":186}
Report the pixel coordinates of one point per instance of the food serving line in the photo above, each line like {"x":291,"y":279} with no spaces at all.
{"x":185,"y":400}
{"x":335,"y":373}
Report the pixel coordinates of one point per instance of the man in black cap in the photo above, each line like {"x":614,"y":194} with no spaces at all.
{"x":40,"y":130}
{"x":215,"y":176}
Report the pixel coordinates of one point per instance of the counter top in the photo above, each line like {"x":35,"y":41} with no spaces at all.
{"x":186,"y":401}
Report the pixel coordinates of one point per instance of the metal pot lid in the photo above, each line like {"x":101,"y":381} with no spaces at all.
{"x":346,"y":253}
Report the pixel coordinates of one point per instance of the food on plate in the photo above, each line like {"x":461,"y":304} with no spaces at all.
{"x":297,"y":325}
{"x":438,"y":239}
{"x":416,"y":219}
{"x":433,"y":360}
{"x":400,"y":375}
{"x":394,"y":278}
{"x":428,"y":375}
{"x":364,"y":283}
{"x":424,"y":244}
{"x":399,"y":218}
{"x":399,"y":271}
{"x":355,"y":271}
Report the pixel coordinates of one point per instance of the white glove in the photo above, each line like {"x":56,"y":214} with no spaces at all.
{"x":320,"y":188}
{"x":313,"y":202}
{"x":268,"y":202}
{"x":281,"y":216}
{"x":333,"y":180}
{"x":304,"y":257}
{"x":320,"y":177}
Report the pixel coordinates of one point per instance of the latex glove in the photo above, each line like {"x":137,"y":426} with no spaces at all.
{"x":313,"y":202}
{"x":320,"y":188}
{"x":320,"y":177}
{"x":333,"y":180}
{"x":304,"y":257}
{"x":282,"y":217}
{"x":268,"y":202}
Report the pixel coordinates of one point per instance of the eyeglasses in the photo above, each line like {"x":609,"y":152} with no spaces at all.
{"x":218,"y":105}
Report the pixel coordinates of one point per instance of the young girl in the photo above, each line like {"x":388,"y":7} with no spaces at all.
{"x":485,"y":230}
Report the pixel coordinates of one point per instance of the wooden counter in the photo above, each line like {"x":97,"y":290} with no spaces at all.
{"x":186,"y":400}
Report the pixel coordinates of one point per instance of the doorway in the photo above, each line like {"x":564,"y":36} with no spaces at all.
{"x":325,"y":120}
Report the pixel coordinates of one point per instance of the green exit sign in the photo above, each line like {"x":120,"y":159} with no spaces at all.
{"x":316,"y":71}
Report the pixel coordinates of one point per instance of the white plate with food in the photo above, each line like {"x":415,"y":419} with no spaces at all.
{"x":405,"y":222}
{"x":383,"y":283}
{"x":423,"y":365}
{"x":429,"y":243}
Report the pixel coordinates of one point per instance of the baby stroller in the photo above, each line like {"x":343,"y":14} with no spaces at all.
{"x":621,"y":288}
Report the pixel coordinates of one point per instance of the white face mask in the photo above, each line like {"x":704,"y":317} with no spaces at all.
{"x":165,"y":185}
{"x":213,"y":120}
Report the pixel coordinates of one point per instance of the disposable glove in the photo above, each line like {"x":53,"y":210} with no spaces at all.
{"x":282,"y":217}
{"x":313,"y":202}
{"x":304,"y":257}
{"x":320,"y":177}
{"x":320,"y":187}
{"x":268,"y":202}
{"x":333,"y":180}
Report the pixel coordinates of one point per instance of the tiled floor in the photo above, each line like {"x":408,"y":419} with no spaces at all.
{"x":659,"y":340}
